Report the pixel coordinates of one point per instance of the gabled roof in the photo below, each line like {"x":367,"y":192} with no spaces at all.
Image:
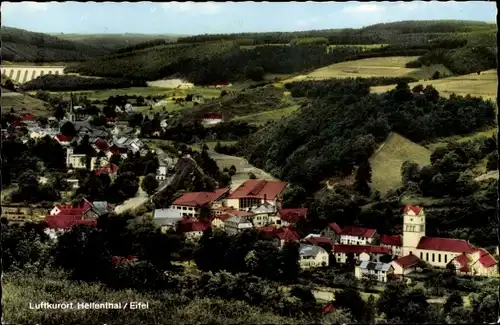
{"x":463,"y":262}
{"x":358,"y":232}
{"x":68,"y":209}
{"x":377,"y":266}
{"x":407,"y":261}
{"x":486,"y":259}
{"x":333,"y":226}
{"x":288,"y":235}
{"x":191,"y":225}
{"x":264,"y":208}
{"x":394,"y":240}
{"x":310,"y":250}
{"x":63,"y":138}
{"x":223,"y":217}
{"x":101,"y":144}
{"x":445,"y":245}
{"x":239,"y":213}
{"x":413,"y":209}
{"x":29,"y":117}
{"x":107,"y":169}
{"x":63,"y":221}
{"x":358,"y":249}
{"x":292,"y":215}
{"x":198,"y":199}
{"x":260,"y":189}
{"x":320,"y":240}
{"x":238,"y":219}
{"x":168,"y":213}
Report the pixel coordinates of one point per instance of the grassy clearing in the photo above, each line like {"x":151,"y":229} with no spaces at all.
{"x":365,"y":68}
{"x":463,"y":138}
{"x":386,"y":162}
{"x":483,"y":85}
{"x":264,"y":117}
{"x":426,"y":72}
{"x":211,"y":144}
{"x":24,"y":104}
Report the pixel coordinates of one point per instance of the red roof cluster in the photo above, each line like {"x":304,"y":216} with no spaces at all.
{"x":222,"y":217}
{"x":320,"y":240}
{"x":412,"y":208}
{"x":63,"y":138}
{"x":292,"y":215}
{"x":115,"y":150}
{"x":328,"y":308}
{"x":358,"y":249}
{"x":286,"y":234}
{"x":336,"y":228}
{"x":190,"y":225}
{"x":463,"y":261}
{"x":258,"y":189}
{"x":110,"y":169}
{"x":118,"y":260}
{"x":102,"y":145}
{"x":197,"y":199}
{"x":407,"y":261}
{"x":63,"y":221}
{"x":394,"y":240}
{"x":445,"y":245}
{"x":68,"y":209}
{"x":358,"y":232}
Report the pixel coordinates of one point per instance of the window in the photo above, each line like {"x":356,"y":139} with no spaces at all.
{"x":439,"y":258}
{"x":433,"y":257}
{"x":421,"y":255}
{"x":445,"y":258}
{"x":427,"y":257}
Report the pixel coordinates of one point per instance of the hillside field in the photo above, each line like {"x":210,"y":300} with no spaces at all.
{"x":483,"y":85}
{"x":365,"y":68}
{"x":386,"y":162}
{"x":264,"y":117}
{"x":23,"y":104}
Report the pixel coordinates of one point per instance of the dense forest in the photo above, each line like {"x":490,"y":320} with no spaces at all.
{"x":344,"y":124}
{"x":68,"y":82}
{"x":22,"y":45}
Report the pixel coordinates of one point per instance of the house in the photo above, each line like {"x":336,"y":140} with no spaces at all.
{"x":219,"y":221}
{"x":374,"y":270}
{"x":405,"y":265}
{"x":357,"y":236}
{"x":57,"y":224}
{"x":212,"y":118}
{"x":63,"y":140}
{"x":237,"y":223}
{"x":312,"y":256}
{"x":191,"y":203}
{"x":68,"y":209}
{"x":439,"y":252}
{"x":262,"y":214}
{"x":191,"y":228}
{"x":101,"y":145}
{"x":255,"y":192}
{"x":76,"y":161}
{"x":29,"y":119}
{"x":282,"y":235}
{"x":39,"y":133}
{"x":290,"y":217}
{"x":161,"y":173}
{"x":359,"y":252}
{"x":394,"y":242}
{"x":110,"y":169}
{"x":97,"y":209}
{"x":167,"y":219}
{"x":318,"y":240}
{"x":332,"y":231}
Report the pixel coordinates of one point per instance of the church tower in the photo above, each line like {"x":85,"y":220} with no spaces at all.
{"x":413,"y":228}
{"x":71,"y":114}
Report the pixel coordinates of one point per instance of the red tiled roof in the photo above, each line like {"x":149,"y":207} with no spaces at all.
{"x":268,"y":230}
{"x":463,"y":261}
{"x":239,"y":213}
{"x":358,"y":232}
{"x":107,"y":169}
{"x":64,"y":221}
{"x":486,"y":259}
{"x":394,"y":240}
{"x":68,"y":209}
{"x":445,"y":245}
{"x":407,"y":261}
{"x":118,"y":260}
{"x":102,"y":145}
{"x":333,"y":226}
{"x":63,"y":138}
{"x":288,"y":235}
{"x":328,"y":308}
{"x":320,"y":240}
{"x":412,"y":208}
{"x":357,"y":249}
{"x":29,"y":117}
{"x":197,"y":199}
{"x":292,"y":215}
{"x":222,"y":217}
{"x":114,"y":149}
{"x":260,"y":189}
{"x":190,"y":225}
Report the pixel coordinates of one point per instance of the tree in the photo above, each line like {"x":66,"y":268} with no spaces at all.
{"x":149,"y":184}
{"x":363,"y":178}
{"x":9,"y":85}
{"x":492,"y":162}
{"x":68,"y":129}
{"x":454,"y":300}
{"x":436,"y":75}
{"x":251,"y":176}
{"x":351,"y":300}
{"x":232,"y":170}
{"x":418,"y":89}
{"x":409,"y":172}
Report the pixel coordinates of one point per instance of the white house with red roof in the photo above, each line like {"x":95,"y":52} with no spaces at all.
{"x":359,"y":252}
{"x":191,"y":203}
{"x":212,"y":118}
{"x":255,"y":192}
{"x":64,"y":216}
{"x":405,"y":265}
{"x":312,"y":256}
{"x":439,"y":252}
{"x":63,"y":140}
{"x":394,"y":242}
{"x":282,"y":235}
{"x":238,"y":221}
{"x":357,"y":236}
{"x":192,"y":229}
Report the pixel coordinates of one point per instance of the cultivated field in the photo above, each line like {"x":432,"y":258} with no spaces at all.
{"x":171,"y":84}
{"x":483,"y":85}
{"x":263,"y":117}
{"x":386,"y":162}
{"x":365,"y":68}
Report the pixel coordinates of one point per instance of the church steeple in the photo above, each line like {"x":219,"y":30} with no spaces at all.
{"x":71,"y":115}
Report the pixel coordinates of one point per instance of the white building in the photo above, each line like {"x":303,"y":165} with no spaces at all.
{"x":357,"y":236}
{"x":167,"y":219}
{"x":236,"y":224}
{"x":375,"y":270}
{"x":161,"y":174}
{"x":394,"y":242}
{"x":312,"y":256}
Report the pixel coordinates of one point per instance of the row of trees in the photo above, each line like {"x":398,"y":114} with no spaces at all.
{"x":68,"y":82}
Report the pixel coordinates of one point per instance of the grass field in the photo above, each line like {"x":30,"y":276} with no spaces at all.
{"x":365,"y":68}
{"x":24,"y":104}
{"x":386,"y":162}
{"x":262,"y":118}
{"x":483,"y":85}
{"x":462,"y":138}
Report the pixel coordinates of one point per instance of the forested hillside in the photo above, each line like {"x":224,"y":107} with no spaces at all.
{"x":344,"y":124}
{"x":115,"y":41}
{"x":21,"y":45}
{"x":65,"y":82}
